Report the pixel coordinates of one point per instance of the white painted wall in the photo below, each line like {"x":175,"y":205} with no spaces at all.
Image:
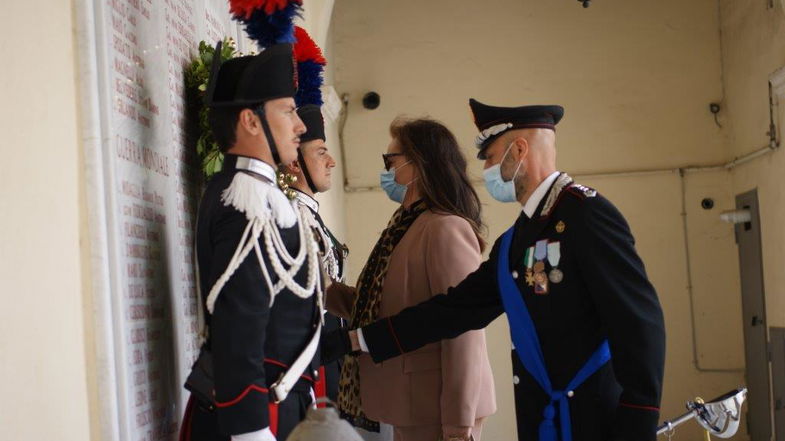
{"x":43,"y":374}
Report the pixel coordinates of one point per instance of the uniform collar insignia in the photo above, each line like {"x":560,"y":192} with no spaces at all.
{"x":306,"y":200}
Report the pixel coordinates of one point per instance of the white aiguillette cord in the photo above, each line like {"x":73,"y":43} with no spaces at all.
{"x":308,"y":206}
{"x":265,"y":205}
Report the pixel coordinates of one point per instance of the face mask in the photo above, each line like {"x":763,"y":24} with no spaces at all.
{"x":395,"y":191}
{"x":501,"y":190}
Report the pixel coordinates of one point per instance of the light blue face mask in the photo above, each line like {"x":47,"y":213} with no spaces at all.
{"x":501,"y":190}
{"x":395,"y":191}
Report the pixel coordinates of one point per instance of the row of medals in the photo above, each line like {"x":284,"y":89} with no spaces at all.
{"x":536,"y":276}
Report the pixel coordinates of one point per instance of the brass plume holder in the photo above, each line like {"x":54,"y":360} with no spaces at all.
{"x":284,"y":181}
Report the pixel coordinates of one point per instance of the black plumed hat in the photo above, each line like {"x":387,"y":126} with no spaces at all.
{"x":311,"y":115}
{"x":253,"y":79}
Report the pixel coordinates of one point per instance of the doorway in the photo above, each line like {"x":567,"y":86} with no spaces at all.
{"x":753,"y":303}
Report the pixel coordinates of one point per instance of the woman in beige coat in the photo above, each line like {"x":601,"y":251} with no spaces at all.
{"x":432,"y":242}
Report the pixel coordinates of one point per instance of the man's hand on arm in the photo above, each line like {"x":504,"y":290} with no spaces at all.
{"x":340,"y":342}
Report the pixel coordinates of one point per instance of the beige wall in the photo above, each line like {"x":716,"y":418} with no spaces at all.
{"x":42,"y":340}
{"x":753,"y":42}
{"x":316,"y":20}
{"x":333,"y":203}
{"x":636,"y":78}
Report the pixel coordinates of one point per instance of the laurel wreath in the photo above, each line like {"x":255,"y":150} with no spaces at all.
{"x":197,"y":75}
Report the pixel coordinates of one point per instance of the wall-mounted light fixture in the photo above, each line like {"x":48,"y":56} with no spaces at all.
{"x":736,"y":216}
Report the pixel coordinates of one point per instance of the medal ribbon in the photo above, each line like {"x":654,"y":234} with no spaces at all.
{"x":541,"y":250}
{"x":529,"y":259}
{"x":554,"y":253}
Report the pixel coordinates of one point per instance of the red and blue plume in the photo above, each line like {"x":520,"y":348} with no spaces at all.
{"x":267,"y":22}
{"x":243,"y":9}
{"x":310,"y":69}
{"x":306,"y":48}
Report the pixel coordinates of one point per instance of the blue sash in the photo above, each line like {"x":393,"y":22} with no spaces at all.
{"x":527,"y":345}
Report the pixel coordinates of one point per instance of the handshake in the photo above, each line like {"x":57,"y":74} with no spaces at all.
{"x":339,"y":343}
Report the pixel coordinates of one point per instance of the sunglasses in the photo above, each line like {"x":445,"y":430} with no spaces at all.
{"x":387,"y":158}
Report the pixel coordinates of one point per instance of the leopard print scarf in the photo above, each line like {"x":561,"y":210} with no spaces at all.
{"x":366,"y":310}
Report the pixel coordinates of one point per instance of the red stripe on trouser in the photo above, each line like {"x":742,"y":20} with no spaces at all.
{"x":185,"y":427}
{"x":320,"y":387}
{"x":272,"y":410}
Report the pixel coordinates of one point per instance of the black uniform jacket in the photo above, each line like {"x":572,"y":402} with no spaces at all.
{"x":605,"y":294}
{"x":252,"y":344}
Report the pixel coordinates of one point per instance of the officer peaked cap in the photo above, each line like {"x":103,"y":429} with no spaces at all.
{"x":492,"y":121}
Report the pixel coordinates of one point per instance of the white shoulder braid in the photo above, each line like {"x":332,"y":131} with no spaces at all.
{"x":268,"y":209}
{"x":258,"y":199}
